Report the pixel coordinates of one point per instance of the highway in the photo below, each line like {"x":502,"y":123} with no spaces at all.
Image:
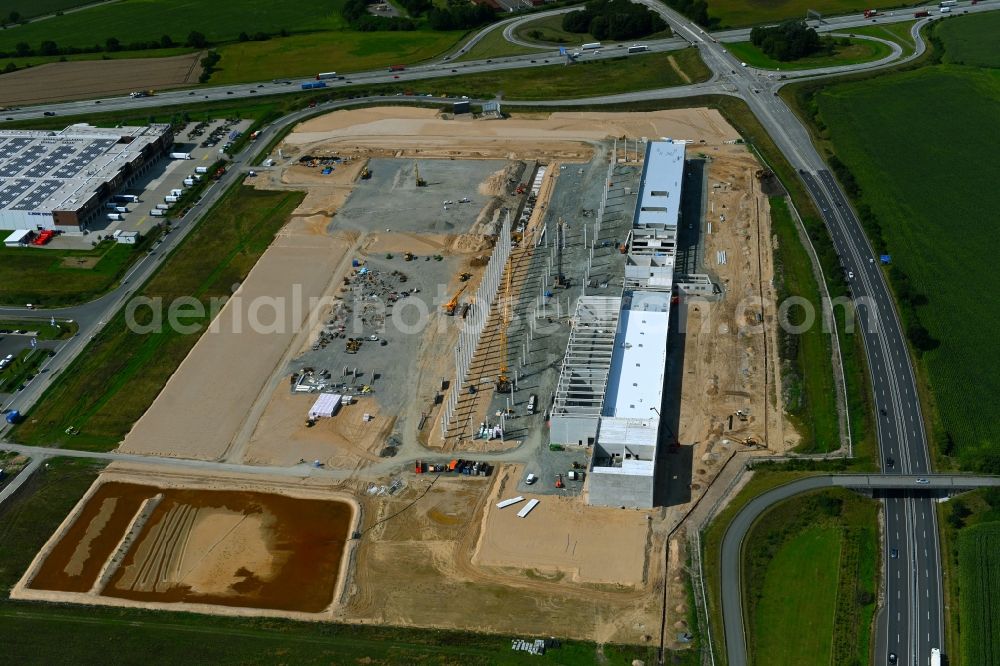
{"x":911,"y":622}
{"x":731,"y":560}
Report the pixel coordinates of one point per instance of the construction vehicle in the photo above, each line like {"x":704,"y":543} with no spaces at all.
{"x":353,"y":345}
{"x":465,"y":277}
{"x":559,"y":481}
{"x":365,"y":173}
{"x":408,"y":256}
{"x":420,"y":181}
{"x":452,"y":305}
{"x":503,"y":380}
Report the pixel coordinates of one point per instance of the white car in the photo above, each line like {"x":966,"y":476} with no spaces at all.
{"x":850,"y":275}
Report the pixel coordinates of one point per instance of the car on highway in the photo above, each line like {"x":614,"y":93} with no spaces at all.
{"x":49,"y":113}
{"x":893,"y":658}
{"x":894,"y":554}
{"x":923,"y":482}
{"x":850,"y":275}
{"x":889,"y":462}
{"x":229,"y":92}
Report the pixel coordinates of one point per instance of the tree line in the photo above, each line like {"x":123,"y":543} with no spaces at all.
{"x":48,"y":47}
{"x":459,"y":15}
{"x":614,"y":19}
{"x":790,"y":40}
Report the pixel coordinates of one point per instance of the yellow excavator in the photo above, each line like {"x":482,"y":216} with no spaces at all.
{"x":452,"y":305}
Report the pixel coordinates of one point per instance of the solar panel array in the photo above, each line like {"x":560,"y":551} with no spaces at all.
{"x":35,"y":198}
{"x":14,"y":189}
{"x":17,"y":163}
{"x":84,"y":157}
{"x":50,"y":161}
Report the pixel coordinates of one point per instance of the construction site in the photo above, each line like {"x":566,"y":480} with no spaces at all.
{"x":513,"y":354}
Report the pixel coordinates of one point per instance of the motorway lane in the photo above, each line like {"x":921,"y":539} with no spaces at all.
{"x":911,"y":621}
{"x":732,"y":543}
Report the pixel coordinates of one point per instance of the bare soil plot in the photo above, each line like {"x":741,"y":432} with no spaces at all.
{"x":190,"y":547}
{"x":83,"y":79}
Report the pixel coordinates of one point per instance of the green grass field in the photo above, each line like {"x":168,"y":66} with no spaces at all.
{"x":860,"y":50}
{"x":829,"y":539}
{"x":38,"y":7}
{"x":107,"y":389}
{"x":927,"y":183}
{"x":42,"y":328}
{"x":146,"y":20}
{"x":795,"y":628}
{"x":734,"y":13}
{"x":979,"y":571}
{"x":894,"y":32}
{"x":600,"y":77}
{"x":40,"y":633}
{"x":971,"y":40}
{"x":810,"y":390}
{"x":43,"y":276}
{"x":342,"y":51}
{"x":493,"y":45}
{"x":22,"y":369}
{"x":548,"y":30}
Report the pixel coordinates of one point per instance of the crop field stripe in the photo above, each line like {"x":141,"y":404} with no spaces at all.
{"x":934,"y":237}
{"x":979,"y":571}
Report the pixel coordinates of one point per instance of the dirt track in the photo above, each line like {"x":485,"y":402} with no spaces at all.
{"x":82,"y":79}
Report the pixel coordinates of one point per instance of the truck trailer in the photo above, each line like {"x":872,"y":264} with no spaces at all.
{"x":115,"y":216}
{"x":171,"y":198}
{"x":162,"y":207}
{"x":180,"y":156}
{"x":326,"y":75}
{"x":312,"y":85}
{"x":156,"y":212}
{"x":201,"y":169}
{"x":188,"y":182}
{"x":637,"y":48}
{"x":590,"y":46}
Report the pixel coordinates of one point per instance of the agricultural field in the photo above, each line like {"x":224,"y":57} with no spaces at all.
{"x":829,"y":539}
{"x":972,"y":40}
{"x":62,"y":277}
{"x":928,"y":190}
{"x":85,"y":79}
{"x":104,"y":391}
{"x":304,"y":55}
{"x":859,"y":50}
{"x":147,"y":20}
{"x":979,"y":571}
{"x":736,"y":13}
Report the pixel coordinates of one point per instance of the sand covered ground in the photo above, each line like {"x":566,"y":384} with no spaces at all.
{"x":205,"y":403}
{"x":563,"y":536}
{"x":561,"y":135}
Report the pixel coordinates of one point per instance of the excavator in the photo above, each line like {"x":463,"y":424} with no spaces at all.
{"x":452,"y":305}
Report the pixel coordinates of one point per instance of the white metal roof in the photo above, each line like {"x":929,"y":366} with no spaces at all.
{"x":635,"y":431}
{"x":635,"y":382}
{"x":630,"y":467}
{"x":326,"y":404}
{"x":18,"y":236}
{"x":659,"y":200}
{"x":44,"y":171}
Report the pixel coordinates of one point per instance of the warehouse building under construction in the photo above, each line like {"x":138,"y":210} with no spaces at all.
{"x":61,"y":180}
{"x":610,"y":389}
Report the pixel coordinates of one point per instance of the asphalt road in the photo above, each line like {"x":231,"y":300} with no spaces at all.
{"x":912,"y":623}
{"x":732,"y":542}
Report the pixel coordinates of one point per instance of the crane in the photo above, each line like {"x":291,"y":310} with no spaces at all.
{"x":452,"y":305}
{"x":503,"y":381}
